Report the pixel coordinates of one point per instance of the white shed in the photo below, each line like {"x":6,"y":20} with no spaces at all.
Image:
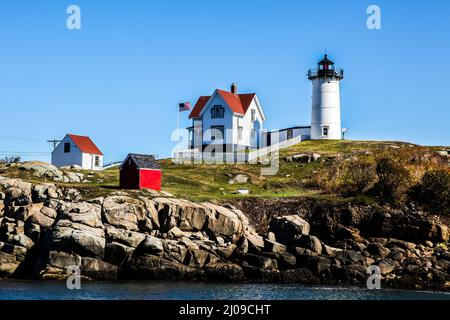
{"x":77,"y":150}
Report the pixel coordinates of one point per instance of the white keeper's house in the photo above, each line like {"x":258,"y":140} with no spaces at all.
{"x":227,"y":119}
{"x":75,"y":150}
{"x":230,"y":121}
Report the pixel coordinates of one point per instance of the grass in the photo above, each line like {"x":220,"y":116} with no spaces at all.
{"x":210,"y":181}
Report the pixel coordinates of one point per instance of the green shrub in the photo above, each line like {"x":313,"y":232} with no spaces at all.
{"x":434,"y":191}
{"x":394,"y":181}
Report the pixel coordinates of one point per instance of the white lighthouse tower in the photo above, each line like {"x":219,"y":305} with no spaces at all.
{"x":326,"y":105}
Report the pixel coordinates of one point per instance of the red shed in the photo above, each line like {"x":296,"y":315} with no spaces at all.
{"x":140,"y":171}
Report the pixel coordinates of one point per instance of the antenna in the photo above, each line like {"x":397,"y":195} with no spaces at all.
{"x":54,"y":142}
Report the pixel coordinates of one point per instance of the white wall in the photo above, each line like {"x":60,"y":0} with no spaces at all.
{"x":282,"y":135}
{"x":74,"y":157}
{"x":231,"y":121}
{"x":207,"y":121}
{"x":61,"y":159}
{"x":326,"y":109}
{"x":246,"y":123}
{"x":89,"y":162}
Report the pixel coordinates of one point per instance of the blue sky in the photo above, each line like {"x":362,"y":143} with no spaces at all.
{"x":120,"y":77}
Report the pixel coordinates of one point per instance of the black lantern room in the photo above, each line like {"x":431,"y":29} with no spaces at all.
{"x":325,"y":69}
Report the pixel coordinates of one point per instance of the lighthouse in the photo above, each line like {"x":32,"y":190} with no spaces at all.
{"x":326,"y":105}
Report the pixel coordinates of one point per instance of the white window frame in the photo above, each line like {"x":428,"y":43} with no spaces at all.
{"x":240,"y":133}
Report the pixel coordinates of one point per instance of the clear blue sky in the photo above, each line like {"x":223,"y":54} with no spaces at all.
{"x":120,"y":77}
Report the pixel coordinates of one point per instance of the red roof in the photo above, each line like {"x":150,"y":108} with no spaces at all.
{"x":85,"y":144}
{"x":238,"y":103}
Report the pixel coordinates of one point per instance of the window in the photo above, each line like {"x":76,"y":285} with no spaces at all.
{"x":240,"y":132}
{"x":253,"y":115}
{"x":253,"y":133}
{"x":290,"y":134}
{"x":217,"y":112}
{"x":96,"y":161}
{"x":325,"y":131}
{"x":217,"y":132}
{"x":67,"y":147}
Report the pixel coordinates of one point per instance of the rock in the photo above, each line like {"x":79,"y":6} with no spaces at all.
{"x":150,"y":245}
{"x":350,"y":257}
{"x":301,"y":275}
{"x":275,"y":247}
{"x":301,"y":157}
{"x":288,"y":229}
{"x":310,"y":242}
{"x":261,"y":274}
{"x":289,"y":224}
{"x":261,"y":262}
{"x":378,"y":250}
{"x":443,"y":233}
{"x":386,"y":266}
{"x":225,"y":222}
{"x":174,"y":251}
{"x":286,"y":260}
{"x":227,"y":272}
{"x":196,"y":258}
{"x":117,"y":253}
{"x":74,"y":177}
{"x":239,"y":179}
{"x":429,"y":244}
{"x":8,"y":264}
{"x":45,"y":217}
{"x":97,"y":269}
{"x":175,"y":232}
{"x":42,"y":192}
{"x":315,"y":157}
{"x":180,"y":213}
{"x":329,"y":251}
{"x":62,"y":260}
{"x":122,"y":212}
{"x":255,"y":241}
{"x":79,"y":230}
{"x":70,"y":194}
{"x":125,"y":237}
{"x":23,"y":240}
{"x":157,"y":268}
{"x":84,"y":213}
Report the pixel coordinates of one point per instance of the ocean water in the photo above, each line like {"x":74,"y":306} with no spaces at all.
{"x":152,"y":290}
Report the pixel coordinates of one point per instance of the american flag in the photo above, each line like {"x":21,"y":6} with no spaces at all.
{"x":184,"y":106}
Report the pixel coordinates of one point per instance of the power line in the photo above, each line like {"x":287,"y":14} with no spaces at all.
{"x":24,"y":152}
{"x":54,"y":142}
{"x":21,"y":138}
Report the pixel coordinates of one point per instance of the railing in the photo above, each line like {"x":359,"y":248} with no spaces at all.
{"x":314,"y":73}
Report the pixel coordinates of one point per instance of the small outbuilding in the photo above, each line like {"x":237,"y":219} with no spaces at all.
{"x":140,"y":171}
{"x":77,"y":150}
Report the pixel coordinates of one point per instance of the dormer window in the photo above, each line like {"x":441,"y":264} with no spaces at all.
{"x":217,"y":112}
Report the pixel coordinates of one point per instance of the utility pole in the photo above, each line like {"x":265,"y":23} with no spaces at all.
{"x":54,"y":142}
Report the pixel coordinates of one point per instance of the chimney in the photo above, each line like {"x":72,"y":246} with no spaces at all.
{"x":234,"y":88}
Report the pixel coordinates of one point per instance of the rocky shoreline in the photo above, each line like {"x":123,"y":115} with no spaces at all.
{"x":44,"y":229}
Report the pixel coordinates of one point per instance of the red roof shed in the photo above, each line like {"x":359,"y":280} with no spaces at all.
{"x":140,"y":171}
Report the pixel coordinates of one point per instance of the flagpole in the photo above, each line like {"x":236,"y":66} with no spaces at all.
{"x":178,"y":134}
